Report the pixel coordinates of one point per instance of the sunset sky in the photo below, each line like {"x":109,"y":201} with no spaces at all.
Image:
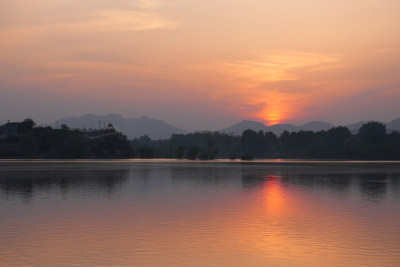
{"x":201,"y":64}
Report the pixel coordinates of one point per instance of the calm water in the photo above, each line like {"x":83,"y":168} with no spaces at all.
{"x":160,"y":213}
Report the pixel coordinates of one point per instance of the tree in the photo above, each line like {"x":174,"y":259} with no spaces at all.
{"x":64,"y":127}
{"x":247,"y":156}
{"x":372,"y":132}
{"x":250,"y":142}
{"x":180,"y":152}
{"x":26,"y":126}
{"x":192,"y":152}
{"x":146,"y":152}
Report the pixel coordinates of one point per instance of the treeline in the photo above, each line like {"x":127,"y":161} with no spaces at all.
{"x":372,"y":142}
{"x":45,"y":142}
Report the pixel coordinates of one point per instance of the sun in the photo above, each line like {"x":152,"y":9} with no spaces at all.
{"x":271,"y":116}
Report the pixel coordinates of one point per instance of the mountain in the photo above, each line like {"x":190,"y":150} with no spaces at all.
{"x":159,"y":129}
{"x":240,"y":127}
{"x":394,"y":125}
{"x":278,"y":129}
{"x":131,"y":127}
{"x":155,"y":129}
{"x":89,"y":121}
{"x":316,"y":126}
{"x":355,"y":126}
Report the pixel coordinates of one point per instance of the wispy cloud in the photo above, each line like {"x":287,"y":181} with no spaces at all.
{"x":149,"y":4}
{"x":100,"y":21}
{"x":120,"y":21}
{"x":74,"y":17}
{"x":280,"y":66}
{"x":271,"y":86}
{"x":36,"y":34}
{"x":254,"y":59}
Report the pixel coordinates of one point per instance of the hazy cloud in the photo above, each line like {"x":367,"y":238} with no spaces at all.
{"x":149,"y":4}
{"x":281,"y":66}
{"x":275,"y":61}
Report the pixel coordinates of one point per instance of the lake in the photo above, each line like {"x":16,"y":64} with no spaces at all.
{"x":186,"y":213}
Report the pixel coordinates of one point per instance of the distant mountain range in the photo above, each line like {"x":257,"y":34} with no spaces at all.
{"x":159,"y":129}
{"x":394,"y":125}
{"x":131,"y":127}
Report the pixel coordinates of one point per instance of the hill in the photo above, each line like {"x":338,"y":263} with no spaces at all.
{"x":394,"y":125}
{"x":238,"y":128}
{"x":131,"y":127}
{"x":159,"y":129}
{"x":316,"y":126}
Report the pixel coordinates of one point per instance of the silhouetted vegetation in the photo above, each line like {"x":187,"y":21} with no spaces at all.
{"x":26,"y":126}
{"x":44,"y":142}
{"x":372,"y":142}
{"x":146,"y":152}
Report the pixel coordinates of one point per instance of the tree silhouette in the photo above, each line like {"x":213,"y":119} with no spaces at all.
{"x":26,"y":126}
{"x":146,"y":152}
{"x":180,"y":152}
{"x":192,"y":152}
{"x":64,"y":127}
{"x":372,"y":132}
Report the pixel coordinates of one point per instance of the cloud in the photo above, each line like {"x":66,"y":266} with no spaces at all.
{"x":120,"y":21}
{"x":21,"y":18}
{"x":281,"y":66}
{"x":271,"y":86}
{"x":48,"y":77}
{"x":149,"y":4}
{"x":254,"y":107}
{"x":38,"y":35}
{"x":98,"y":22}
{"x":253,"y":60}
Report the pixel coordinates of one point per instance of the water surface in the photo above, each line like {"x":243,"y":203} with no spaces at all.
{"x":182,"y":213}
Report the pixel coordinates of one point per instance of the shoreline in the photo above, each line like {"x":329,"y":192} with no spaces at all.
{"x":216,"y":161}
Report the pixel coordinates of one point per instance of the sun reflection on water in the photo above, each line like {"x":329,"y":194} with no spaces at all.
{"x":273,"y":192}
{"x":173,"y":215}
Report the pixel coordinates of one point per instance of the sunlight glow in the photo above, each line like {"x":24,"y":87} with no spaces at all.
{"x":274,"y":194}
{"x":274,"y":61}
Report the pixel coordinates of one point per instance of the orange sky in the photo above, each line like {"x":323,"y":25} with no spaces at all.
{"x":201,"y":64}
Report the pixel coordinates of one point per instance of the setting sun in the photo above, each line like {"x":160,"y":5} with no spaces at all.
{"x":216,"y":63}
{"x":200,"y":133}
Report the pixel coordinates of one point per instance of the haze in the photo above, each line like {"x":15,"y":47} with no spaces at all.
{"x":201,"y":64}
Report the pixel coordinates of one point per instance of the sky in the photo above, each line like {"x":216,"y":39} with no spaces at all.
{"x":201,"y":64}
